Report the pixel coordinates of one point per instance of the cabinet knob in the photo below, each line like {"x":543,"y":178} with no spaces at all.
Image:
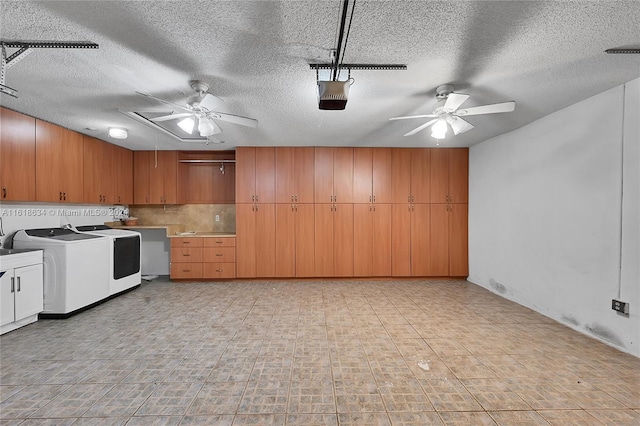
{"x":186,"y":254}
{"x":218,"y":242}
{"x":4,"y":192}
{"x":219,"y":270}
{"x":60,"y":195}
{"x":186,"y":270}
{"x":64,"y":196}
{"x":219,"y":254}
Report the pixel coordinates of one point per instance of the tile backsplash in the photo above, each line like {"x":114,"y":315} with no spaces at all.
{"x":194,"y":217}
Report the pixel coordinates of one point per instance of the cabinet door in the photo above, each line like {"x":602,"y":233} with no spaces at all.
{"x":141,"y":168}
{"x":458,"y":240}
{"x":125,"y":176}
{"x":156,"y":178}
{"x":323,"y":175}
{"x":17,"y":156}
{"x":323,"y":249}
{"x":459,"y":175}
{"x":420,"y":238}
{"x":381,"y":232}
{"x":94,"y":170}
{"x":363,"y":175}
{"x":245,"y":175}
{"x":285,"y":175}
{"x":401,"y":240}
{"x":285,"y":240}
{"x":382,"y":171}
{"x":29,"y":291}
{"x":265,"y":240}
{"x":7,"y":298}
{"x":266,"y":175}
{"x":49,"y":159}
{"x":439,"y":175}
{"x":304,"y":174}
{"x":72,"y":167}
{"x":343,"y":240}
{"x":304,"y":232}
{"x":420,"y":175}
{"x":169,"y":162}
{"x":245,"y":241}
{"x":401,"y":175}
{"x":343,"y":175}
{"x":439,"y":241}
{"x":362,"y":240}
{"x":110,"y":172}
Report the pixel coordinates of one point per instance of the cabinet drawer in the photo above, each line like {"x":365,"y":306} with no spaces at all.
{"x":186,"y":270}
{"x":219,"y":241}
{"x":186,"y":254}
{"x":219,"y":254}
{"x":219,"y":270}
{"x":186,"y":242}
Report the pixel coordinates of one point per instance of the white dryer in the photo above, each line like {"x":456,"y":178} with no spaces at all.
{"x":124,"y":256}
{"x":76,"y":268}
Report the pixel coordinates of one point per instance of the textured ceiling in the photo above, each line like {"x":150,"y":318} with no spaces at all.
{"x":255,"y":56}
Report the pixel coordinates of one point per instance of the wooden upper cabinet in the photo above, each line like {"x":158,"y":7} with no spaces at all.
{"x":124,"y":193}
{"x":294,"y":173}
{"x":450,"y":175}
{"x":17,"y":156}
{"x":363,"y":175}
{"x":101,"y":170}
{"x":163,"y":175}
{"x":59,"y":164}
{"x":382,"y":172}
{"x":410,"y":175}
{"x":206,"y":177}
{"x":333,"y":179}
{"x":141,"y":167}
{"x":255,"y":175}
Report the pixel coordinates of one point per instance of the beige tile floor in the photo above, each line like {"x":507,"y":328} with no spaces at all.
{"x":313,"y":353}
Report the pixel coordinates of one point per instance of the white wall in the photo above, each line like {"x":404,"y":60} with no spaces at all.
{"x":546,"y":215}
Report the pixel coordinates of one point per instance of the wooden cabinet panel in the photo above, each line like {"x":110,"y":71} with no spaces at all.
{"x":265,"y":175}
{"x":305,"y":239}
{"x":362,"y":240}
{"x":304,"y":174}
{"x":245,"y":175}
{"x":141,"y":168}
{"x":219,"y":270}
{"x":420,"y":175}
{"x":285,"y":240}
{"x":440,"y":176}
{"x":219,"y":242}
{"x":101,"y":170}
{"x":206,"y":177}
{"x":163,"y":177}
{"x":255,"y":175}
{"x":381,"y":226}
{"x":184,"y":270}
{"x":458,"y":240}
{"x":219,"y":255}
{"x":110,"y":170}
{"x":401,"y":240}
{"x":186,"y":242}
{"x":17,"y":156}
{"x":343,"y":240}
{"x":245,"y":241}
{"x":265,"y":240}
{"x":439,"y":240}
{"x":401,"y":175}
{"x":459,"y":175}
{"x":363,"y":175}
{"x":382,"y":173}
{"x":323,"y":240}
{"x":343,"y":175}
{"x":420,"y":237}
{"x":410,"y":175}
{"x":285,"y":175}
{"x":59,"y":164}
{"x":323,"y":175}
{"x":125,"y":176}
{"x":181,"y":254}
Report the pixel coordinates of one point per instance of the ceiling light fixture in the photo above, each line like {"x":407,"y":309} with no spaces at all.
{"x":439,"y":129}
{"x":118,"y":133}
{"x":187,"y":124}
{"x":205,"y":127}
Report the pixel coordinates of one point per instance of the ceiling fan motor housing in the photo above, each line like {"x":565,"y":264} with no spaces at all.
{"x":333,"y":95}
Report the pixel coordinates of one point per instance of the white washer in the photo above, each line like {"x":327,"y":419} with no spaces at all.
{"x":124,"y":256}
{"x":76,"y":268}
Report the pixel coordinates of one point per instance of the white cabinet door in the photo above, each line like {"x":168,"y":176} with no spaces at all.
{"x":29,"y":291}
{"x":7,"y":309}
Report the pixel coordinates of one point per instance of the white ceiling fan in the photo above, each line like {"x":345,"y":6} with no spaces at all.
{"x":201,"y":112}
{"x":449,"y":113}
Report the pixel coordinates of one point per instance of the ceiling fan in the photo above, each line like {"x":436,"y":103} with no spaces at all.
{"x":449,"y":113}
{"x":200,"y":112}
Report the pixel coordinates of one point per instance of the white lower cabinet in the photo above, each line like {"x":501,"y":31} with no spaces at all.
{"x":21,"y":293}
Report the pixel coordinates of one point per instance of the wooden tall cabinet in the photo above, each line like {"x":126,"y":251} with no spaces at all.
{"x":294,"y":174}
{"x":255,"y":175}
{"x":450,"y":175}
{"x":372,"y":172}
{"x":410,"y":240}
{"x":448,"y":245}
{"x":59,"y":164}
{"x":155,"y":177}
{"x":255,"y":240}
{"x":411,"y":175}
{"x":333,"y":180}
{"x":372,"y":240}
{"x":333,"y":240}
{"x":17,"y":156}
{"x":295,"y":240}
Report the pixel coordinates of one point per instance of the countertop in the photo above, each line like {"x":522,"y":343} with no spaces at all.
{"x":174,"y":230}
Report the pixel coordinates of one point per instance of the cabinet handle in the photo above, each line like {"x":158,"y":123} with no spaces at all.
{"x":219,"y":270}
{"x":186,"y":242}
{"x":219,"y":254}
{"x":64,"y":196}
{"x":4,"y":192}
{"x":296,"y":207}
{"x":374,"y":198}
{"x":186,"y":254}
{"x":118,"y":199}
{"x":296,"y":198}
{"x":13,"y":286}
{"x":370,"y":198}
{"x":60,"y":195}
{"x":374,"y":208}
{"x":257,"y":199}
{"x":18,"y":283}
{"x":219,"y":242}
{"x":186,"y":270}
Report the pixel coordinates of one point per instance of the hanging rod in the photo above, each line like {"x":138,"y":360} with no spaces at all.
{"x":206,"y":161}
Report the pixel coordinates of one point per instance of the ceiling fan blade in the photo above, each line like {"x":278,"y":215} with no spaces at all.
{"x":488,"y":109}
{"x":453,"y":102}
{"x":424,"y":126}
{"x":170,"y":117}
{"x":210,"y":102}
{"x":413,"y":116}
{"x":460,"y":126}
{"x":164,"y":101}
{"x":235,"y":119}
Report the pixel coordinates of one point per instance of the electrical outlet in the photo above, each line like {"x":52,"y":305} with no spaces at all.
{"x":217,"y":218}
{"x":622,"y":307}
